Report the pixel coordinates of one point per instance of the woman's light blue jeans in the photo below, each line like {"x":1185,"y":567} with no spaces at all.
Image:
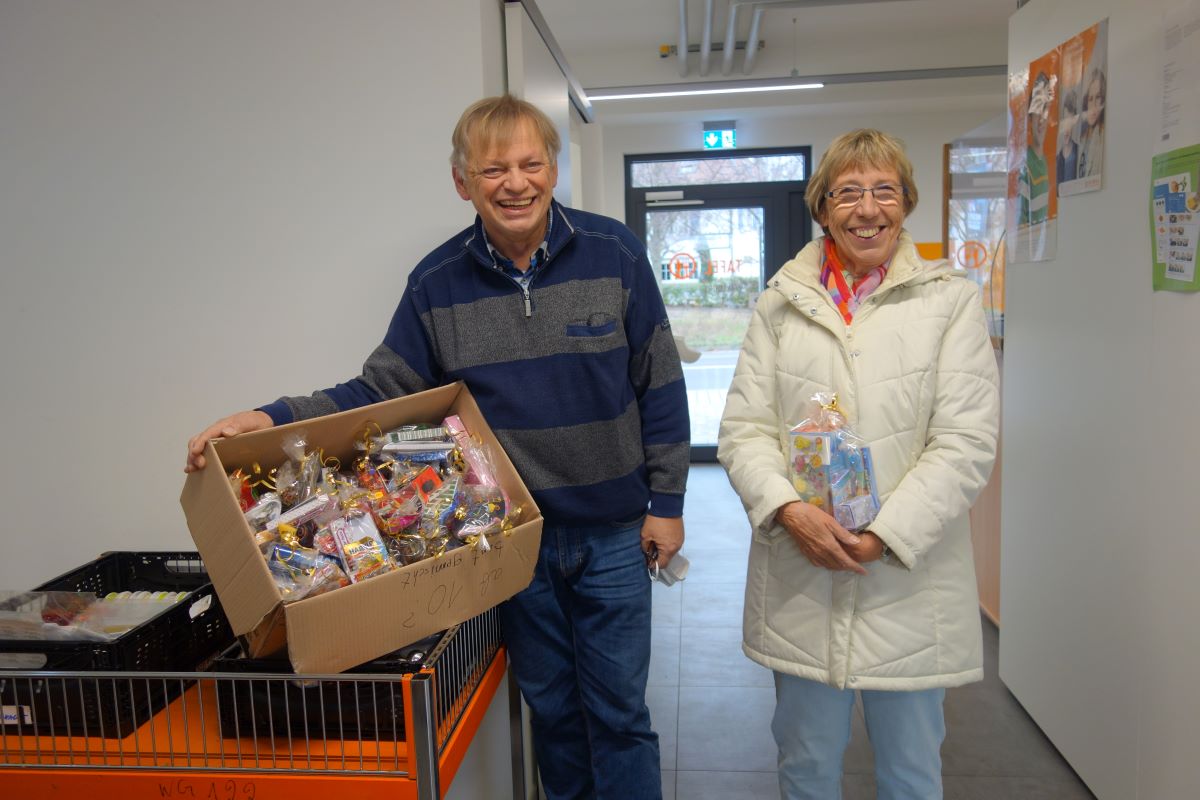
{"x":812,"y":728}
{"x":579,"y":640}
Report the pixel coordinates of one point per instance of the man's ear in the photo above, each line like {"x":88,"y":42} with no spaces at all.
{"x":460,"y":184}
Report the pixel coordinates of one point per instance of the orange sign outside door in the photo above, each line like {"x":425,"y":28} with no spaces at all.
{"x":683,"y":265}
{"x":972,"y":254}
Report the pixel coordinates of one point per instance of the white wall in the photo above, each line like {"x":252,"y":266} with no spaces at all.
{"x":1099,"y":597}
{"x":924,"y":134}
{"x":204,"y":206}
{"x":534,"y":75}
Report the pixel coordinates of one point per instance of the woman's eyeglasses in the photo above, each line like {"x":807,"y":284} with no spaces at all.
{"x":884,"y":194}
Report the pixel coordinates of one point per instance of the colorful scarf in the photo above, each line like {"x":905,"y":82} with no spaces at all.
{"x":847,"y":297}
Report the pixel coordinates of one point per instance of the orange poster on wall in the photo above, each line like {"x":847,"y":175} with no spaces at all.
{"x":1033,"y":128}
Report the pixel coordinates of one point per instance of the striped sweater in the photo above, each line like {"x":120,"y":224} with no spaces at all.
{"x":577,"y":373}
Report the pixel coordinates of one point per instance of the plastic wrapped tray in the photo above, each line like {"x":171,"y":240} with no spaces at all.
{"x":184,"y":637}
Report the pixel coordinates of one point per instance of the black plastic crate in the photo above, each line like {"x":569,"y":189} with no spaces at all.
{"x":350,"y":708}
{"x":184,"y":637}
{"x":79,"y":706}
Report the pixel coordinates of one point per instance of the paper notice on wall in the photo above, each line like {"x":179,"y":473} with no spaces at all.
{"x":1180,"y":116}
{"x":1175,"y":218}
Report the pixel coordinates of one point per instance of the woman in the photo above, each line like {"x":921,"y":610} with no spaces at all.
{"x":1091,"y":145}
{"x":892,"y":610}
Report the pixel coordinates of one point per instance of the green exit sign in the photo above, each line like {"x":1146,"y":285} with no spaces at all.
{"x":720,"y":139}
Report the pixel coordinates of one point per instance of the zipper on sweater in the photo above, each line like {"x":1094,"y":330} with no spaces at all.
{"x":526,"y":284}
{"x":528,"y":304}
{"x":524,"y":287}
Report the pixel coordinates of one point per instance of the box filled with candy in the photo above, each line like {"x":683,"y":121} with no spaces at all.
{"x":350,"y":536}
{"x":831,"y":466}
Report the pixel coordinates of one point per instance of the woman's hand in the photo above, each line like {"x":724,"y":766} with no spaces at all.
{"x":823,"y":541}
{"x":869,"y":548}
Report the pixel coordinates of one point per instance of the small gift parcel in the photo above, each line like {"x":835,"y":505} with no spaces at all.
{"x":346,"y":537}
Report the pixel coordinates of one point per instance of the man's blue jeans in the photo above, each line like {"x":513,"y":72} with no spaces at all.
{"x":579,"y":640}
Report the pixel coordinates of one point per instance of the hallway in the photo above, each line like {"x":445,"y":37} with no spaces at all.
{"x":712,"y":706}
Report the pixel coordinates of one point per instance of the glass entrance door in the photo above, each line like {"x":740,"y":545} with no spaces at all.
{"x":710,"y":272}
{"x":714,"y":246}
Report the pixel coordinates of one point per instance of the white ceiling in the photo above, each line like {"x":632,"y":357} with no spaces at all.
{"x":616,"y":43}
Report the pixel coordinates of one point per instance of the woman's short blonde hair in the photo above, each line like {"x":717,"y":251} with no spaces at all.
{"x":492,"y":121}
{"x":857,"y":149}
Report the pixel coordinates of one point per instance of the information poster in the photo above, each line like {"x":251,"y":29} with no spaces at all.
{"x":1032,"y":206}
{"x":1083,"y":89}
{"x":1175,"y":218}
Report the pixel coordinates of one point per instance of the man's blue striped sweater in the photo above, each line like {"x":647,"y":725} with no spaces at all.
{"x":577,"y":374}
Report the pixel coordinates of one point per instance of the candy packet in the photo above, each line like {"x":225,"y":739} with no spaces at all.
{"x":831,"y":465}
{"x":301,"y":572}
{"x":298,"y":477}
{"x":361,"y":548}
{"x":479,"y":469}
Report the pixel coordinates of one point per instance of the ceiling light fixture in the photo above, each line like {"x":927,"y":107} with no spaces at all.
{"x":693,"y":92}
{"x":785,"y":84}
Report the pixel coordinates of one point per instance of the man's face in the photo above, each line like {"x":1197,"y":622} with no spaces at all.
{"x":511,"y":185}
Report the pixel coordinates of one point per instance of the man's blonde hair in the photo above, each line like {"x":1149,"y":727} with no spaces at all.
{"x":492,"y":121}
{"x":865,"y":147}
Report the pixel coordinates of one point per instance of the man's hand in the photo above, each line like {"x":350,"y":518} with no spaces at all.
{"x":241,"y":422}
{"x":663,"y":535}
{"x":820,"y":538}
{"x":869,"y":548}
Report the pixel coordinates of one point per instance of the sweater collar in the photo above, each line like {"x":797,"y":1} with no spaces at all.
{"x":559,"y":232}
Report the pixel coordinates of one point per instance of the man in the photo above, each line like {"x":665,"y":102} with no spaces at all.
{"x":1034,"y":178}
{"x":553,"y":318}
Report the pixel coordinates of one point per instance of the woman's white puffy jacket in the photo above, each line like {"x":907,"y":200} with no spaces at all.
{"x":916,"y":376}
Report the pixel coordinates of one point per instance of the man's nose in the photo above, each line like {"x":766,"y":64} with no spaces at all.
{"x":515,"y":179}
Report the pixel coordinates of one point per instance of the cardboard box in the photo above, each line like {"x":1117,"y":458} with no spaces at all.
{"x":354,"y":624}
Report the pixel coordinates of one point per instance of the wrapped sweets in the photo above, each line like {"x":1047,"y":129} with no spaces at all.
{"x":362,"y":551}
{"x":250,"y":489}
{"x":439,"y":512}
{"x":481,"y":513}
{"x":300,"y":572}
{"x":297,"y":478}
{"x":265,"y":513}
{"x":831,"y":466}
{"x":410,"y":494}
{"x":478,"y":462}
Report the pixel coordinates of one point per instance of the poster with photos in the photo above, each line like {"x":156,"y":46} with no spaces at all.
{"x":1175,"y":218}
{"x":1032,"y":206}
{"x":1083,"y":89}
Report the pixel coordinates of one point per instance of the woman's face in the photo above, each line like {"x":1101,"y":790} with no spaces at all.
{"x":865,"y":233}
{"x":1095,"y":101}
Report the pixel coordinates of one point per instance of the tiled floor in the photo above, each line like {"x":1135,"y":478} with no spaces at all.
{"x":712,"y":706}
